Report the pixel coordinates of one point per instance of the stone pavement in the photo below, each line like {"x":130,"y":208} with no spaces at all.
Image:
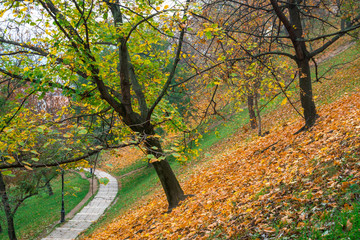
{"x":90,"y":213}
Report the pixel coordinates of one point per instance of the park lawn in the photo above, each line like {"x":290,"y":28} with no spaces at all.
{"x":40,"y":211}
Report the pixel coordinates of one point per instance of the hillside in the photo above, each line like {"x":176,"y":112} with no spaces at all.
{"x":281,"y":185}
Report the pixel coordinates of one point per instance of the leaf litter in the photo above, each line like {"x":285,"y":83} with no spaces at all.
{"x":268,"y":187}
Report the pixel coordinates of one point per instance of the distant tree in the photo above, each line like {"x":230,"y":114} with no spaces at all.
{"x":300,"y":23}
{"x":296,"y":29}
{"x":7,"y":209}
{"x":24,"y":187}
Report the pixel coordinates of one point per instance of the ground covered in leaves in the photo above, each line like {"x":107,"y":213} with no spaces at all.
{"x":277,"y":186}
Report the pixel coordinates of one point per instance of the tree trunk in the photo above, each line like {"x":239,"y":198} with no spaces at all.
{"x":48,"y":185}
{"x":306,"y":96}
{"x":169,"y":182}
{"x":302,"y":60}
{"x":256,"y":95}
{"x":7,"y":209}
{"x":49,"y":188}
{"x":252,"y":115}
{"x":141,"y":123}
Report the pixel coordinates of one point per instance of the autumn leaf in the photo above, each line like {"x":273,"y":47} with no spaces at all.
{"x":284,"y":101}
{"x":348,"y":226}
{"x":27,"y":167}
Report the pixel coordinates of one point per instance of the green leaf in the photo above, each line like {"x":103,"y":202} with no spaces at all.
{"x":104,"y":180}
{"x":40,"y":129}
{"x":35,"y":152}
{"x":67,"y":135}
{"x":82,"y":131}
{"x":8,"y":130}
{"x":176,"y":155}
{"x":150,"y":156}
{"x":208,"y":35}
{"x":175,"y":149}
{"x":6,"y":173}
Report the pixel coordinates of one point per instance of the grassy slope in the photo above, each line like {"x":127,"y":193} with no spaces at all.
{"x":214,"y":143}
{"x":37,"y":212}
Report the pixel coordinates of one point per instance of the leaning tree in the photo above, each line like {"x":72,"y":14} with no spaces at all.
{"x":105,"y":57}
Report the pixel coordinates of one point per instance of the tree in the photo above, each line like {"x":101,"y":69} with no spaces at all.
{"x":48,"y":175}
{"x":232,"y":65}
{"x":297,"y":13}
{"x":289,"y":28}
{"x":7,"y":208}
{"x":15,"y":191}
{"x":76,"y":36}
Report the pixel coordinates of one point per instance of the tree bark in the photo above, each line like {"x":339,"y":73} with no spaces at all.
{"x":169,"y":182}
{"x":49,"y":188}
{"x":252,"y":115}
{"x":48,"y":185}
{"x":256,"y":96}
{"x":302,"y":56}
{"x":302,"y":60}
{"x":9,"y":214}
{"x":306,"y":96}
{"x":142,"y":123}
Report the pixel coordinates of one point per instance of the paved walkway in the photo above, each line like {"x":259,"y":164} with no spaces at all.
{"x":90,"y":213}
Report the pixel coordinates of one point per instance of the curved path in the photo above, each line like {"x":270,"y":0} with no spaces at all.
{"x":90,"y":213}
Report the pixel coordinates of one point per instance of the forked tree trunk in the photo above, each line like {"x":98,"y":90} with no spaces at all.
{"x":252,"y":114}
{"x":7,"y":209}
{"x":141,"y":122}
{"x":169,"y":182}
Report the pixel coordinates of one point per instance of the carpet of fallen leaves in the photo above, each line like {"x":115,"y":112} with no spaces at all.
{"x":264,"y":186}
{"x":120,"y":158}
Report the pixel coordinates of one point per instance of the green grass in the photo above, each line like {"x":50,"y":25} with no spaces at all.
{"x":223,"y":130}
{"x":343,"y":84}
{"x":38,"y":212}
{"x":338,"y":61}
{"x":340,"y":223}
